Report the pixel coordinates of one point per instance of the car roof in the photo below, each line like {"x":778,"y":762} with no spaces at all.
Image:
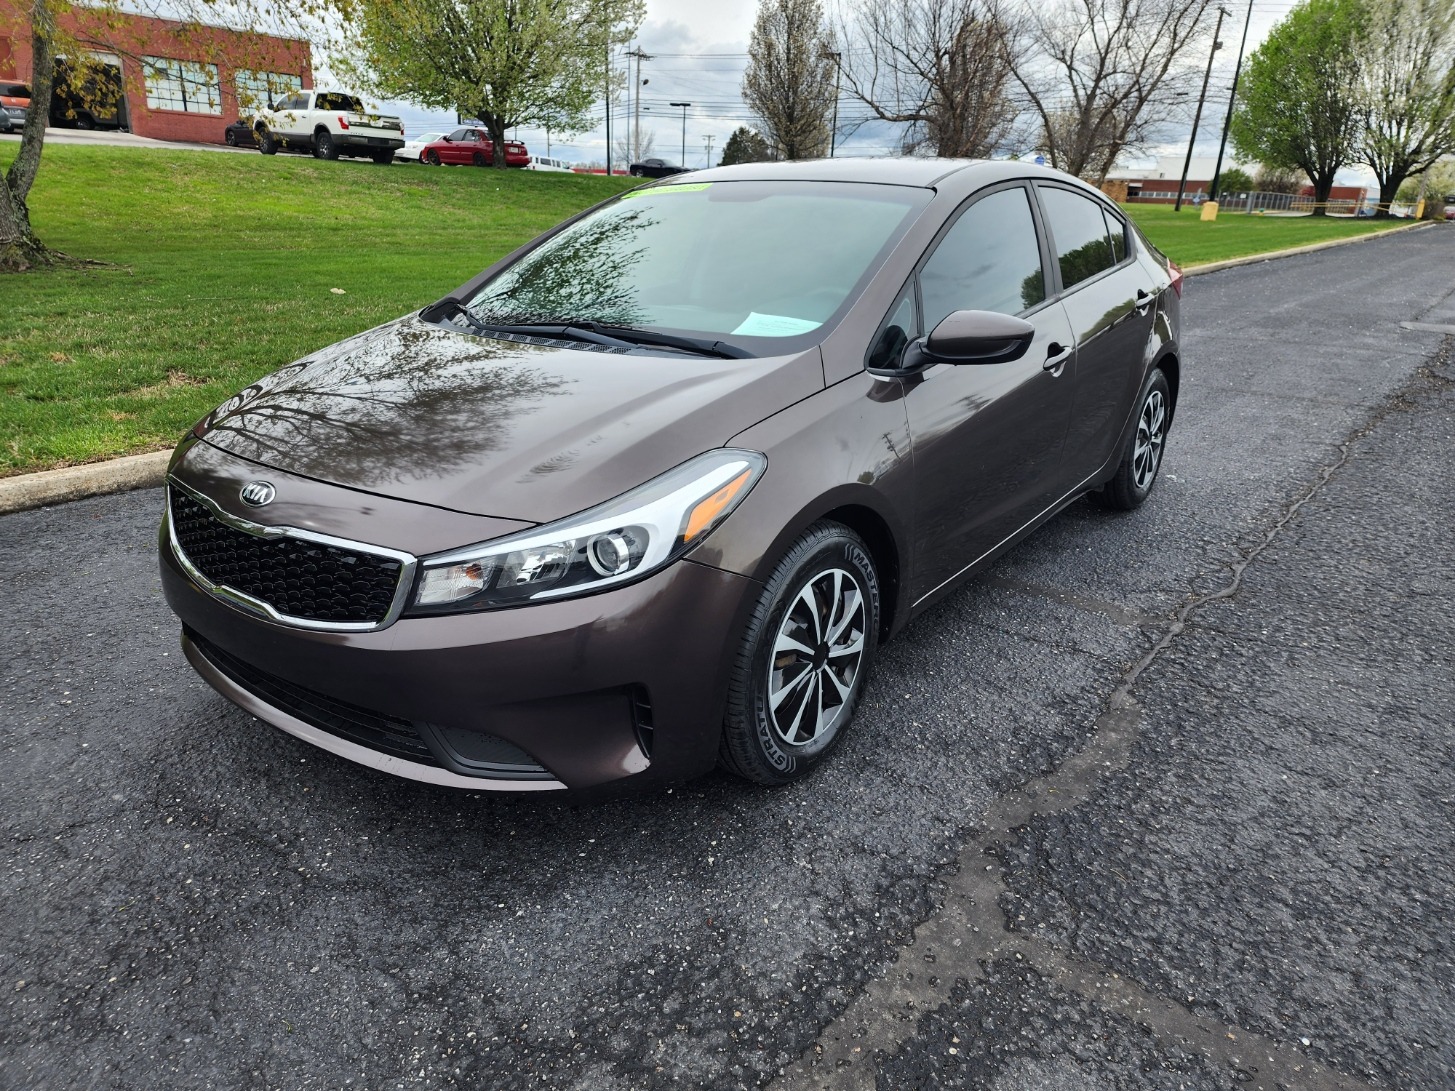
{"x":920,"y":171}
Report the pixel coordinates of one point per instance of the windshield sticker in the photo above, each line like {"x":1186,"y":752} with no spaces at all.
{"x":681,"y":187}
{"x":774,"y":325}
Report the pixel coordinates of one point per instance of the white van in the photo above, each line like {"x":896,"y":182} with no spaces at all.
{"x":545,"y":162}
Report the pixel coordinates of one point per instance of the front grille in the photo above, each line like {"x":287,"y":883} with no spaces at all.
{"x":387,"y":734}
{"x":296,"y":577}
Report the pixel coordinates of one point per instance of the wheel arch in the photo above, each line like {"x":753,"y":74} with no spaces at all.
{"x":1171,"y":366}
{"x":869,"y":525}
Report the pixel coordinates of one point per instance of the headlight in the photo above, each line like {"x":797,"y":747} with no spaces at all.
{"x":613,"y":543}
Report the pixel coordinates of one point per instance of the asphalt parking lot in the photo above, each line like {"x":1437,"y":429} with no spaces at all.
{"x":1161,"y":801}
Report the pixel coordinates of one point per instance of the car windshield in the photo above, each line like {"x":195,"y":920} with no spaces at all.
{"x":14,"y":90}
{"x":751,"y":259}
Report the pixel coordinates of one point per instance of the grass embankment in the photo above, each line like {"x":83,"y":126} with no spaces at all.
{"x":1184,"y":238}
{"x":223,"y":269}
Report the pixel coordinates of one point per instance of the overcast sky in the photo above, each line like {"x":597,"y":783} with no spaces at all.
{"x":699,"y":51}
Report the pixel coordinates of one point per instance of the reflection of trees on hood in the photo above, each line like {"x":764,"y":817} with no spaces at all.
{"x":399,"y":402}
{"x":581,"y":274}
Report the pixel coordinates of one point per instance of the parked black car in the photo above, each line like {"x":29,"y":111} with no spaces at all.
{"x":239,"y":135}
{"x":655,"y":168}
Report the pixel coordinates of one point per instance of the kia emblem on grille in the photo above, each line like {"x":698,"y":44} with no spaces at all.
{"x":258,"y":493}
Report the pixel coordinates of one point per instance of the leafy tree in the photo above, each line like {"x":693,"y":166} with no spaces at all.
{"x":1300,"y":105}
{"x":1099,"y":75}
{"x":1235,"y":180}
{"x":789,"y":81}
{"x":1407,"y":87}
{"x":745,"y":146}
{"x":506,"y":62}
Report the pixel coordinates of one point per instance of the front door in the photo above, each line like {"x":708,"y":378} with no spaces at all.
{"x":987,"y":437}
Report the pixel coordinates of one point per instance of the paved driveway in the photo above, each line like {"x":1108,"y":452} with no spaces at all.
{"x":1161,"y":801}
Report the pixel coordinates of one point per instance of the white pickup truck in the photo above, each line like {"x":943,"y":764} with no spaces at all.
{"x":329,"y":124}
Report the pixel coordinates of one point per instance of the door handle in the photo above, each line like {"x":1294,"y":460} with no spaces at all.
{"x":1144,"y":303}
{"x":1056,"y":356}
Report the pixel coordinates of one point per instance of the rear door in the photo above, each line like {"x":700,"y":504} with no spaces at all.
{"x":987,"y":437}
{"x":1110,"y":301}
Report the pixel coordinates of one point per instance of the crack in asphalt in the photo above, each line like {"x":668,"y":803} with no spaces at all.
{"x":970,"y":929}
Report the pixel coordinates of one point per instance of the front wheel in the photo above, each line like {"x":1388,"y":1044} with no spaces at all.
{"x":432,"y":158}
{"x":1142,"y":457}
{"x":804,"y":658}
{"x":267,"y":144}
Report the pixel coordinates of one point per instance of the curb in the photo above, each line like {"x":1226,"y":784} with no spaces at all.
{"x":1292,"y":251}
{"x":74,"y":482}
{"x":147,"y":471}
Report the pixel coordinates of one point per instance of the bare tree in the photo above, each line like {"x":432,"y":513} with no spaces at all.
{"x":944,"y":67}
{"x":1407,"y":90}
{"x":1098,"y":79}
{"x":634,"y":145}
{"x":789,"y":82}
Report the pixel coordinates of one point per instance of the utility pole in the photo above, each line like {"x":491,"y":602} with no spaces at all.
{"x":636,"y":135}
{"x":838,"y":74}
{"x":1232,"y":99}
{"x":608,"y":105}
{"x":684,"y":105}
{"x":1197,"y":117}
{"x":708,"y":141}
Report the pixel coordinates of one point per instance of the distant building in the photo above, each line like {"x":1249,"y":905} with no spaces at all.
{"x":177,"y":81}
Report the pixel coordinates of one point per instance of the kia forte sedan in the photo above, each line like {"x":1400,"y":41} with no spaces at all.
{"x":646,"y":495}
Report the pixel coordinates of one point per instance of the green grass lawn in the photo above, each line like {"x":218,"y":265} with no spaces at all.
{"x":223,"y":267}
{"x":1184,"y":238}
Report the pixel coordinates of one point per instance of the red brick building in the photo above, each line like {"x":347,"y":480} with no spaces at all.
{"x":179,"y":81}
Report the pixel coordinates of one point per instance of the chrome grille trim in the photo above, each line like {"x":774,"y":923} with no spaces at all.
{"x":408,"y":564}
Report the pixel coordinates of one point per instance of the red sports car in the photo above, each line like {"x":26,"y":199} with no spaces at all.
{"x":472,"y":146}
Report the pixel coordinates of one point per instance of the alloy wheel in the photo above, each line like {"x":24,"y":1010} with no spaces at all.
{"x":816,"y":657}
{"x":1151,"y":431}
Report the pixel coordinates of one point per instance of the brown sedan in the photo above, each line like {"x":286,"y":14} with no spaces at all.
{"x":646,"y":495}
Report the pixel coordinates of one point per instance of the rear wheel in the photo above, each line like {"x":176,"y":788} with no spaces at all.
{"x":84,"y":120}
{"x":479,"y":160}
{"x":324,"y":145}
{"x":1142,"y":457}
{"x":383,"y":158}
{"x":230,"y":138}
{"x":804,"y":658}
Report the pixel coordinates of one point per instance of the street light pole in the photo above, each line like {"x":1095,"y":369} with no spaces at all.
{"x":1232,"y":100}
{"x":1197,"y":117}
{"x":608,"y":105}
{"x":684,"y":106}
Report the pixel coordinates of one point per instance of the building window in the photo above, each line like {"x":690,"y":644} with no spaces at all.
{"x":256,"y":89}
{"x":182,"y":85}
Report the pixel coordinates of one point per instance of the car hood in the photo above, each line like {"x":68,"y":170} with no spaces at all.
{"x":498,"y":428}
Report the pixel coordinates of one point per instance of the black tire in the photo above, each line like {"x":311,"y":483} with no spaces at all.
{"x":636,"y":173}
{"x":1136,"y":474}
{"x":229,"y":138}
{"x":432,"y":158}
{"x":383,"y":158}
{"x":772,"y":744}
{"x":85,"y":120}
{"x":266,"y":143}
{"x":324,"y":145}
{"x":478,"y":159}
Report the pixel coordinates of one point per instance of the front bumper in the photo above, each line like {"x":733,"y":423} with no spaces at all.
{"x":624,"y":686}
{"x":12,"y":119}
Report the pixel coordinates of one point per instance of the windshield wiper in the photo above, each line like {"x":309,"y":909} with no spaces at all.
{"x":587,"y":330}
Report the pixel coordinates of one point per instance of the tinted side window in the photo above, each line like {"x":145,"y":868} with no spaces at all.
{"x":1078,"y":232}
{"x":988,"y":261}
{"x":459,"y":134}
{"x":899,"y":329}
{"x":1118,"y":233}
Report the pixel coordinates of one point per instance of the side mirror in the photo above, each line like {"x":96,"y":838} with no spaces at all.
{"x":978,"y":337}
{"x":449,"y":139}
